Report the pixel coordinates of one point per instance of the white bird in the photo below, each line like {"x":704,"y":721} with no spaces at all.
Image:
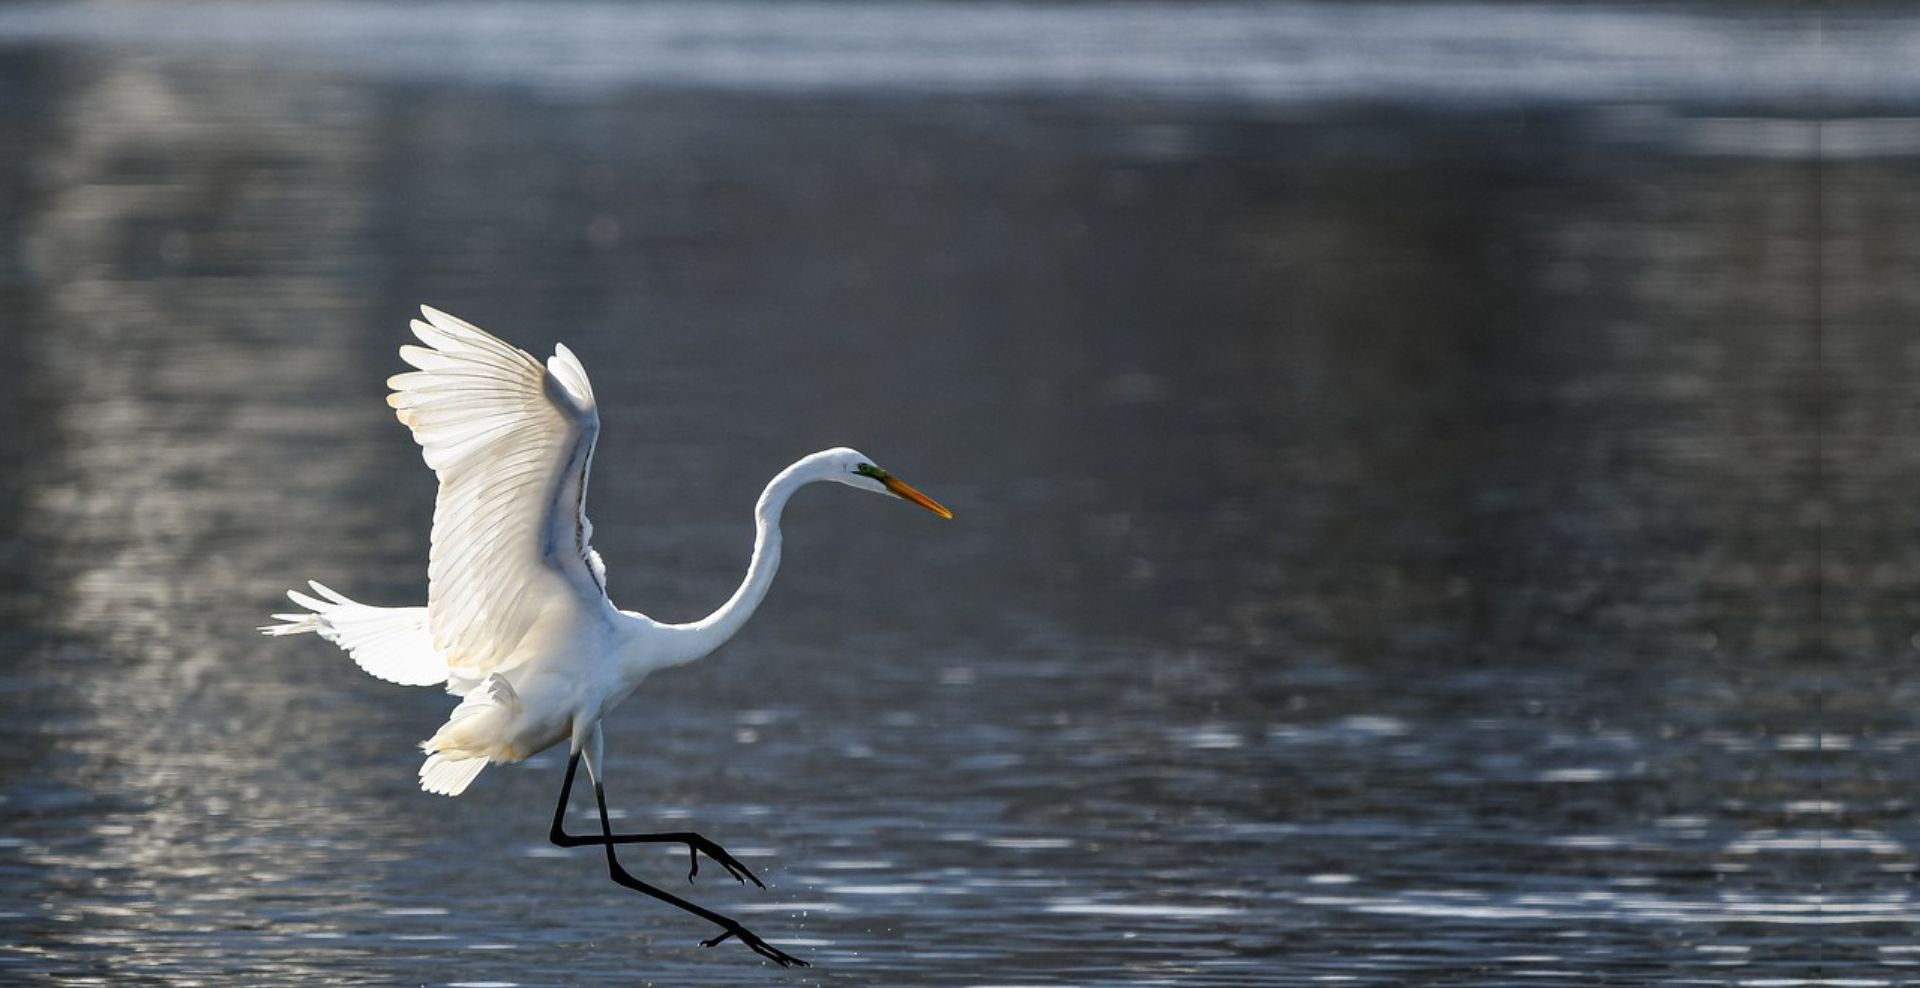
{"x":517,"y":621}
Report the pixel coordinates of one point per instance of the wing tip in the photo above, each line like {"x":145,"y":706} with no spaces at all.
{"x":295,"y":624}
{"x":459,"y":329}
{"x":443,"y":320}
{"x":565,"y":368}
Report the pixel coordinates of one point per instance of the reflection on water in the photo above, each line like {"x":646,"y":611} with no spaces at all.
{"x":1387,"y":544}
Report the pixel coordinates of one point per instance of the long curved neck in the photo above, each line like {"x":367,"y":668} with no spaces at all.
{"x":710,"y":632}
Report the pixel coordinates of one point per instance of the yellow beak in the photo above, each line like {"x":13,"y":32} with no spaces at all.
{"x":900,"y":487}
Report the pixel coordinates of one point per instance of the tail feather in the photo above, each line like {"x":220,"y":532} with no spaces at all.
{"x":390,"y":643}
{"x":470,"y":738}
{"x":448,"y":776}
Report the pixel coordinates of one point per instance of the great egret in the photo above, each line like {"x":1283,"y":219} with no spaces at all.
{"x":517,"y":621}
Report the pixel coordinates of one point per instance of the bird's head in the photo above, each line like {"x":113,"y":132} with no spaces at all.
{"x":855,"y":469}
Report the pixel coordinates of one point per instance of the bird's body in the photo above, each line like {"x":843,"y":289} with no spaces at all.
{"x":517,"y":622}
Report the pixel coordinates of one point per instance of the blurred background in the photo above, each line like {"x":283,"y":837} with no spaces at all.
{"x":1433,"y":485}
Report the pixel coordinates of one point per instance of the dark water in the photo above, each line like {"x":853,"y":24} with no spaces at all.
{"x":1399,"y":540}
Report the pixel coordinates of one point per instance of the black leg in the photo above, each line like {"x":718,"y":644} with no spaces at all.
{"x":696,"y":844}
{"x":728,"y":927}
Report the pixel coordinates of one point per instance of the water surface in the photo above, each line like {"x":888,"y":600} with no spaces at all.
{"x":1399,"y":540}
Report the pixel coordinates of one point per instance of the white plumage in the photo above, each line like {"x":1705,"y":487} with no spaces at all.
{"x":517,"y":621}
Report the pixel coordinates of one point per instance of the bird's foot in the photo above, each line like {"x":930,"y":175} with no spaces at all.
{"x":759,"y":946}
{"x":698,"y":845}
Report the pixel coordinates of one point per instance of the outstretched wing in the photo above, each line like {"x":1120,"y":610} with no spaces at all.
{"x":511,"y":441}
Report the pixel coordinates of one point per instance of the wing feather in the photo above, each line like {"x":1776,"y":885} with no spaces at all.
{"x":511,"y":440}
